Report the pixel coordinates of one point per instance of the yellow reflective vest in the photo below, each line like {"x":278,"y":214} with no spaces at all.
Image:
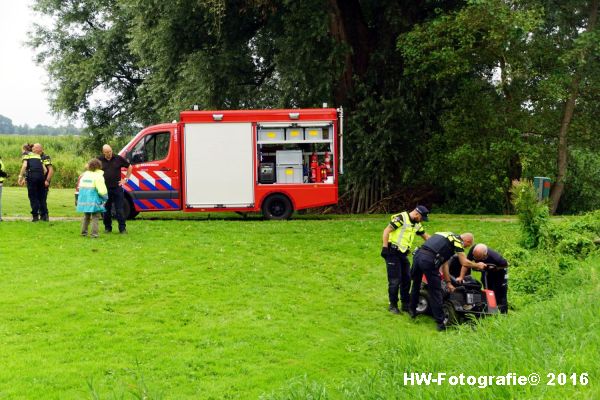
{"x":1,"y":177}
{"x":404,"y":231}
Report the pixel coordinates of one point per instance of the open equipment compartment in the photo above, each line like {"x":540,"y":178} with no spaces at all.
{"x":298,"y":153}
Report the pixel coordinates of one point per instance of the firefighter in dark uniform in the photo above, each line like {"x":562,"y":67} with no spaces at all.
{"x":435,"y":253}
{"x":495,"y":273}
{"x":36,"y":176}
{"x":111,"y":165}
{"x":398,"y":238}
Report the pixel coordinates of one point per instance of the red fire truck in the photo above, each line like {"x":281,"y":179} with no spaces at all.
{"x":273,"y":161}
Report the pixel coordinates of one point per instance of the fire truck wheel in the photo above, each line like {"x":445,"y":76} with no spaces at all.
{"x":277,"y":206}
{"x":128,"y":211}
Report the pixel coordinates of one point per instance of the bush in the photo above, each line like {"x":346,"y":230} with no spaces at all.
{"x":517,"y":256}
{"x":566,"y":263}
{"x":576,"y":246}
{"x":533,"y":215}
{"x":576,"y":238}
{"x":534,"y":278}
{"x":589,"y":222}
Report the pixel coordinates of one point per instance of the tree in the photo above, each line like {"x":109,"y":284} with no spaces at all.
{"x":6,"y":125}
{"x":446,"y":102}
{"x":94,"y":74}
{"x":148,"y":60}
{"x":533,"y":55}
{"x":578,"y":65}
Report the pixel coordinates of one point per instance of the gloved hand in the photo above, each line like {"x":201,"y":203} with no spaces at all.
{"x":385,"y":251}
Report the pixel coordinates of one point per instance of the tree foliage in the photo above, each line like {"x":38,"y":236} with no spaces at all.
{"x":519,"y":68}
{"x":446,"y":101}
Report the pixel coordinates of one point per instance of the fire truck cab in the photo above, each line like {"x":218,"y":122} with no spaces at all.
{"x":272,"y":161}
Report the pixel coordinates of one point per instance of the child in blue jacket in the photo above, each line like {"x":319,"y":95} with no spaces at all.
{"x":92,"y":196}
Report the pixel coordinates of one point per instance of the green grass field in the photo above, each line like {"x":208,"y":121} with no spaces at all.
{"x":198,"y":307}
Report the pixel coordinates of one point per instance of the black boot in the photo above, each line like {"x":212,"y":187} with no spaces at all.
{"x":393,"y":308}
{"x":35,"y":218}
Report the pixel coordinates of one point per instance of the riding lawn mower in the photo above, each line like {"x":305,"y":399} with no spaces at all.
{"x":470,"y":298}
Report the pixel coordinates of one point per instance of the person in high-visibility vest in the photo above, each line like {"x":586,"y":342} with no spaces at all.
{"x":398,"y":239}
{"x":433,"y":254}
{"x":34,"y":169}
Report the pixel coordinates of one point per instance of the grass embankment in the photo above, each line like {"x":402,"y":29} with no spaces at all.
{"x":235,"y":308}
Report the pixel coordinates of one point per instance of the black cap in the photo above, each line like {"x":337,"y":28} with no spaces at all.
{"x":423,"y":211}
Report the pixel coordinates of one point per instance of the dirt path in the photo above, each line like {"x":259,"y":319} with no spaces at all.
{"x":19,"y":218}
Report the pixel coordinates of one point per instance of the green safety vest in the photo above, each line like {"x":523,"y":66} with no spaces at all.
{"x":404,"y":231}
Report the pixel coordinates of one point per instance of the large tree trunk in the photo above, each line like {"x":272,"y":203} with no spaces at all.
{"x":563,"y":148}
{"x":349,"y":27}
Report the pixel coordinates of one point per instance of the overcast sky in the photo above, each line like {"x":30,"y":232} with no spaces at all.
{"x":22,"y":83}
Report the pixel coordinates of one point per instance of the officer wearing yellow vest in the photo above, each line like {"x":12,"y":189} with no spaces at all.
{"x":398,"y":239}
{"x":36,"y":171}
{"x":433,"y":254}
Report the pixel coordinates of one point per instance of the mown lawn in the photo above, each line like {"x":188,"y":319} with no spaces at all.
{"x":240,"y":309}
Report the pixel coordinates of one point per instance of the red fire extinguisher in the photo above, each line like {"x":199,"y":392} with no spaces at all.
{"x":314,"y":168}
{"x":328,"y":163}
{"x":322,"y":173}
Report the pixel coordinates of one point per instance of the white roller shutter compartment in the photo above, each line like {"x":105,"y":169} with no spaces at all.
{"x":218,"y":165}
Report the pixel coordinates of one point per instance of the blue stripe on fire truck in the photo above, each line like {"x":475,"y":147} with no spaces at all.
{"x":164,"y":184}
{"x":147,"y":183}
{"x":171,"y":203}
{"x":155,"y":203}
{"x":133,"y":185}
{"x":140,"y":204}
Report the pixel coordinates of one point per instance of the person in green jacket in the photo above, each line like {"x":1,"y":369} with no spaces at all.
{"x":92,"y":196}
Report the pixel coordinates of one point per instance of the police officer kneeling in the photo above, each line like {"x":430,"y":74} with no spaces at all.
{"x":428,"y":259}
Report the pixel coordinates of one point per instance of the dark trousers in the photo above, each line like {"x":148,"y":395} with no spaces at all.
{"x":398,"y":274}
{"x":498,"y":282}
{"x":424,"y":264}
{"x":44,"y":212}
{"x":37,"y":196}
{"x":116,"y":197}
